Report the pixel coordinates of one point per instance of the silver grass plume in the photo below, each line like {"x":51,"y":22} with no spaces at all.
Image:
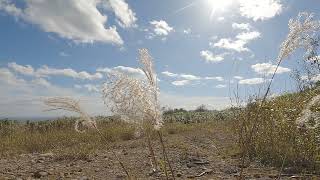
{"x":69,"y":104}
{"x":307,"y":115}
{"x":135,"y":99}
{"x":301,"y":31}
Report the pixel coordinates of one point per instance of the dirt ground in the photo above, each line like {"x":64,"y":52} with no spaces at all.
{"x":205,"y":154}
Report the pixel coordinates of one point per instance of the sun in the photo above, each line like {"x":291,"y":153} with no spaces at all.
{"x":219,"y":5}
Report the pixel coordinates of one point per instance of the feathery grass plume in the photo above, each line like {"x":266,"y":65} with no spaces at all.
{"x":308,"y":115}
{"x":69,"y":104}
{"x":135,"y":99}
{"x":301,"y":32}
{"x":301,"y":35}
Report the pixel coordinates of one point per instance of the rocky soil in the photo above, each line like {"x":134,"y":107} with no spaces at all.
{"x":201,"y":155}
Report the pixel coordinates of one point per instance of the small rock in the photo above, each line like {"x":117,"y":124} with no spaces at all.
{"x":47,"y":155}
{"x":120,"y":176}
{"x":151,"y":172}
{"x":40,"y":174}
{"x":257,"y":176}
{"x":273,"y":176}
{"x":84,"y":178}
{"x":230,"y":170}
{"x":200,"y":162}
{"x":179,"y":174}
{"x":190,"y":165}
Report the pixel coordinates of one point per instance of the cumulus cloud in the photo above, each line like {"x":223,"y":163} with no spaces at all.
{"x":11,"y":9}
{"x":260,"y":10}
{"x":126,"y":17}
{"x":135,"y":72}
{"x":268,"y":69}
{"x":161,"y":28}
{"x":229,"y":44}
{"x":238,"y":44}
{"x":208,"y":56}
{"x":248,"y":36}
{"x":252,"y":81}
{"x":25,"y":70}
{"x":81,"y":20}
{"x":241,"y":26}
{"x":6,"y":76}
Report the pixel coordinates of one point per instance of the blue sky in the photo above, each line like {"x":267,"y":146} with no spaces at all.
{"x":203,"y":49}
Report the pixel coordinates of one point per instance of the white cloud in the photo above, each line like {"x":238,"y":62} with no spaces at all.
{"x":161,"y":28}
{"x":268,"y":69}
{"x":241,"y":26}
{"x":190,"y":77}
{"x":77,"y":20}
{"x":220,"y":86}
{"x":209,"y":57}
{"x":88,"y":87}
{"x":252,"y":81}
{"x":236,"y":45}
{"x":181,"y":82}
{"x":8,"y":7}
{"x":135,"y":72}
{"x":126,"y":17}
{"x":239,"y":44}
{"x":187,"y":79}
{"x":41,"y":82}
{"x":260,"y":9}
{"x":170,"y":74}
{"x":238,"y":77}
{"x":218,"y":78}
{"x":46,"y":71}
{"x":248,"y":36}
{"x":25,"y":70}
{"x":6,"y":76}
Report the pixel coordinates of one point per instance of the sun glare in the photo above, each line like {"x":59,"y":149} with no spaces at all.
{"x":219,"y":5}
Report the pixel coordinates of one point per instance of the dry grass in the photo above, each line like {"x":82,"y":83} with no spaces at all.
{"x":271,"y":135}
{"x":58,"y":136}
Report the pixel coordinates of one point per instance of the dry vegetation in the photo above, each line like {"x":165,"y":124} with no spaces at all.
{"x":268,"y":138}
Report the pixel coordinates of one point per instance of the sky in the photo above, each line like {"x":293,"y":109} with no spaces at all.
{"x":204,"y":50}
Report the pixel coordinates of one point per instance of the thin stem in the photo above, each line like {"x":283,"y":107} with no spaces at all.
{"x":115,"y":155}
{"x":153,"y":157}
{"x":165,"y":154}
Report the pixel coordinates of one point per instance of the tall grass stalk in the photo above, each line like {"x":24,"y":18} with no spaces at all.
{"x":300,"y":34}
{"x":136,"y":100}
{"x":71,"y":105}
